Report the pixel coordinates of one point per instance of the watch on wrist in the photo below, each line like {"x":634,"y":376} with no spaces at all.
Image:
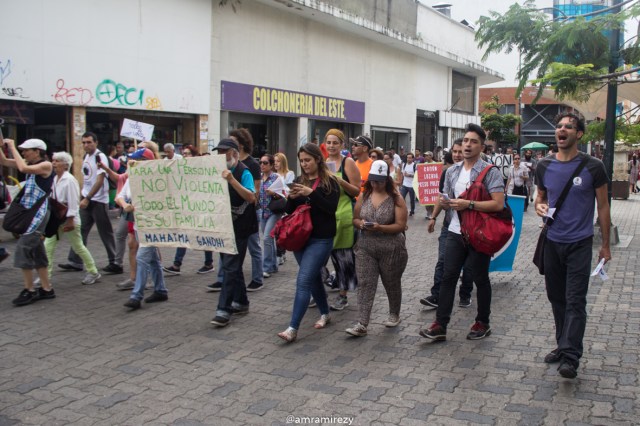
{"x":472,"y":205}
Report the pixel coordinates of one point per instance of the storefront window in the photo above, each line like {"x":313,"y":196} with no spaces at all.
{"x":463,"y":93}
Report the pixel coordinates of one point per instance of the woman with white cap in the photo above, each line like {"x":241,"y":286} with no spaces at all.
{"x":30,"y":158}
{"x":381,"y":216}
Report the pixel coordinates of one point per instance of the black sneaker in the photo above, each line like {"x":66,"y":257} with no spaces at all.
{"x":206,"y":269}
{"x":220,"y":321}
{"x":112,"y":268}
{"x":465,"y":302}
{"x":171,"y":270}
{"x":240,"y":311}
{"x":479,"y":330}
{"x":25,"y":297}
{"x":567,"y":370}
{"x":217,"y":286}
{"x":430,"y":301}
{"x":553,"y":357}
{"x":68,"y":267}
{"x":254,"y":286}
{"x":43,"y":294}
{"x":133,"y":304}
{"x":157,"y":297}
{"x":434,"y":332}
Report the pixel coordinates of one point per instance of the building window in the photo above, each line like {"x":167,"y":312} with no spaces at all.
{"x":507,"y":109}
{"x":463,"y":93}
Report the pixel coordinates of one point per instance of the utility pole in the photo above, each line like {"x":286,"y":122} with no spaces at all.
{"x":612,"y":96}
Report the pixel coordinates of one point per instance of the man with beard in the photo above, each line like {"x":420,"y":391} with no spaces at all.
{"x":233,"y":296}
{"x":568,"y":248}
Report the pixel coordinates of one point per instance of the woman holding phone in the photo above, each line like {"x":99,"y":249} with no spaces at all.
{"x":381,"y":217}
{"x":317,"y":187}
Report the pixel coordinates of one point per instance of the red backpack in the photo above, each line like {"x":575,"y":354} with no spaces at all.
{"x":486,"y":232}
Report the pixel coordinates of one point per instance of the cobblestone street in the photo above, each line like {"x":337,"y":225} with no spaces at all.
{"x":84,"y":359}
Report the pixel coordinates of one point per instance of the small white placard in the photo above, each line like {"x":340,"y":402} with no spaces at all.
{"x":136,"y":130}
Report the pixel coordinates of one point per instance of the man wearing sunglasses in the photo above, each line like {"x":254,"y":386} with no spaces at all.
{"x":568,"y":248}
{"x":360,"y":147}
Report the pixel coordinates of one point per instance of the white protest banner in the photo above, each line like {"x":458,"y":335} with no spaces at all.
{"x":136,"y":130}
{"x":503,"y":162}
{"x":426,"y":183}
{"x":183,"y":203}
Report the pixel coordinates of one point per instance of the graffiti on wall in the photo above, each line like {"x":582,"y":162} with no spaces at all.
{"x":5,"y":72}
{"x":5,"y":69}
{"x":107,"y":92}
{"x":78,"y":96}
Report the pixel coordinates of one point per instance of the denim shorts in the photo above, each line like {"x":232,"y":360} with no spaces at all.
{"x":30,"y":252}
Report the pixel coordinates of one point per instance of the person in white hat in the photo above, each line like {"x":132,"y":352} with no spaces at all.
{"x":380,"y":215}
{"x":30,"y":158}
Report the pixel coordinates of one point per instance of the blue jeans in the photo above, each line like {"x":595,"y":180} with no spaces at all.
{"x":181,"y":251}
{"x":269,"y":252}
{"x":412,"y":196}
{"x":457,"y":253}
{"x":148,"y":260}
{"x":256,"y":260}
{"x":467,"y":276}
{"x":566,"y":274}
{"x":234,"y":291}
{"x":310,"y":260}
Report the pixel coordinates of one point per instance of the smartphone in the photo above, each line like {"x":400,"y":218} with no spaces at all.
{"x":98,"y":159}
{"x":445,"y":197}
{"x":290,"y":185}
{"x":368,"y":224}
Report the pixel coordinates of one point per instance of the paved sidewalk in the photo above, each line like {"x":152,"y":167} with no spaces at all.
{"x":83,"y":359}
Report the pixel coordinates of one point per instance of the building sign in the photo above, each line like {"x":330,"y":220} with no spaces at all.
{"x":270,"y":101}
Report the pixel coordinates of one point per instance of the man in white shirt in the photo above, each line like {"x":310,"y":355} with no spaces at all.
{"x":397,"y":161}
{"x":170,"y":150}
{"x":94,"y":206}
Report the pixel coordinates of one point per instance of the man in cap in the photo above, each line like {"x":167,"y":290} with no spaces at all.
{"x":94,"y":205}
{"x":360,"y":151}
{"x":233,"y":296}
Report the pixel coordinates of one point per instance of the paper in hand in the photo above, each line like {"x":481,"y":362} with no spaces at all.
{"x":550,"y":212}
{"x":279,"y":187}
{"x":599,"y":270}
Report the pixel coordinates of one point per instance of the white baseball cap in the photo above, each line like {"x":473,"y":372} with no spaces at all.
{"x":33,"y":144}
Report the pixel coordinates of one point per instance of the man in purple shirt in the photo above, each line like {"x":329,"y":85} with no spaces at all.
{"x":568,"y":250}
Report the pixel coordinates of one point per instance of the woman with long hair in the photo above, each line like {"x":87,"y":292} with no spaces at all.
{"x":281,"y":166}
{"x":317,"y":187}
{"x":267,"y":218}
{"x":342,"y":257}
{"x":381,"y":217}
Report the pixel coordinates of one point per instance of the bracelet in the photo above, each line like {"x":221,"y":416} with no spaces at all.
{"x":432,"y":218}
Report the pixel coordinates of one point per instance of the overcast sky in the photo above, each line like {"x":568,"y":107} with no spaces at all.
{"x":471,"y":10}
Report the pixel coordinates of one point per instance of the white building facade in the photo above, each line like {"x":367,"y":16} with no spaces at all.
{"x":399,"y":71}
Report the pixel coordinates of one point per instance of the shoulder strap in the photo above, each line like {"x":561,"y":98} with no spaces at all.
{"x":567,"y":186}
{"x":345,"y":177}
{"x":484,"y":172}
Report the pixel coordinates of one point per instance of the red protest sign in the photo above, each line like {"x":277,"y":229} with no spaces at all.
{"x":428,"y":183}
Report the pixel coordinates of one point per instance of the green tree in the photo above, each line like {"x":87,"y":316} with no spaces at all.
{"x":572,"y":55}
{"x":499,"y":126}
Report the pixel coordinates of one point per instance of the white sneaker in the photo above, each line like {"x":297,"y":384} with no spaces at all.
{"x":36,"y":282}
{"x":392,"y":321}
{"x":91,"y":278}
{"x":357,"y":330}
{"x":127,"y":284}
{"x":266,"y":275}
